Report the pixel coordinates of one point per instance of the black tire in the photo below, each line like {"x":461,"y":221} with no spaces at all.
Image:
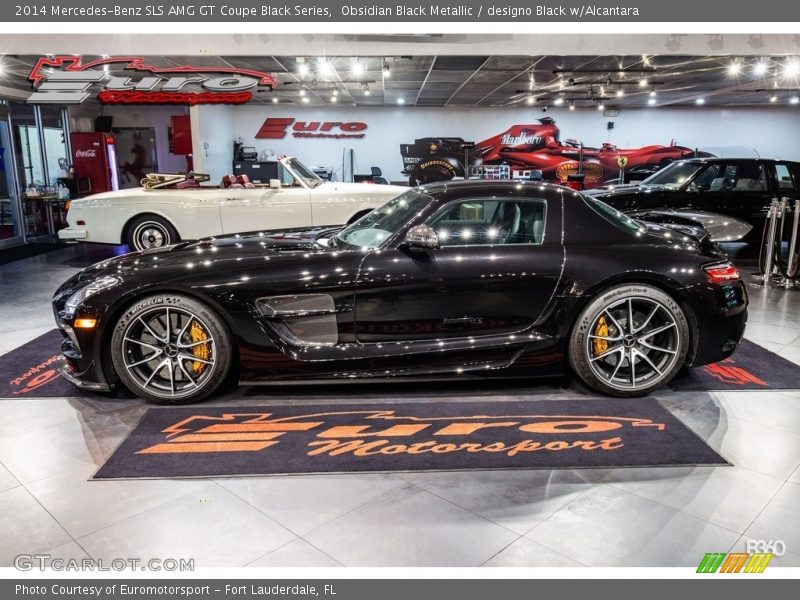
{"x":142,"y":332}
{"x":602,"y":344}
{"x":150,"y":231}
{"x":435,"y":171}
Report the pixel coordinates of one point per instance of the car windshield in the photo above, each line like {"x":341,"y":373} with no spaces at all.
{"x":298,"y":169}
{"x":619,"y":219}
{"x":371,"y":230}
{"x":673,"y":176}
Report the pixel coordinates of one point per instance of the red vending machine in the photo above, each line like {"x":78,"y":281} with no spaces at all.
{"x":94,"y":158}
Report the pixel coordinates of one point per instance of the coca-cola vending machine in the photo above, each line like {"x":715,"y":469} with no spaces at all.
{"x":94,"y":158}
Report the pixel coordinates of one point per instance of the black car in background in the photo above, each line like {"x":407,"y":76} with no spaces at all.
{"x":466,"y":279}
{"x":741,"y":188}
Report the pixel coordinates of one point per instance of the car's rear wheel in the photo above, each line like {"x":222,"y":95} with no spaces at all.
{"x":171,"y":349}
{"x":150,"y":231}
{"x":630,"y":340}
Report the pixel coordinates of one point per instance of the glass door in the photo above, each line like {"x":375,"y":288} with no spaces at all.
{"x":10,"y":229}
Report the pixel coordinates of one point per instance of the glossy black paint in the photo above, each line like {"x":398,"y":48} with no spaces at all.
{"x":747,"y":205}
{"x":460,"y":310}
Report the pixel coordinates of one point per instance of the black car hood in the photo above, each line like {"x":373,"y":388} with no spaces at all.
{"x":236,"y":249}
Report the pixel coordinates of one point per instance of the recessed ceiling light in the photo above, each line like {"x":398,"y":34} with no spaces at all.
{"x":651,"y":101}
{"x":620,"y":93}
{"x":302,"y":69}
{"x":333,"y":97}
{"x":302,"y":91}
{"x":794,"y":100}
{"x":734,"y":68}
{"x":401,"y":100}
{"x":274,"y":99}
{"x":760,"y":68}
{"x":791,"y":68}
{"x":653,"y":93}
{"x":530,"y":99}
{"x":773,"y":98}
{"x":700,"y":101}
{"x":324,"y":67}
{"x":305,"y":99}
{"x":356,"y":69}
{"x":643,"y":82}
{"x":558,"y":101}
{"x":601,"y":107}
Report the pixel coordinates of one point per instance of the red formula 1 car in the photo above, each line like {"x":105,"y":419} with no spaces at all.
{"x":535,"y":147}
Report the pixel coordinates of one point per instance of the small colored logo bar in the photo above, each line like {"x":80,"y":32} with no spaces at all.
{"x":734,"y":562}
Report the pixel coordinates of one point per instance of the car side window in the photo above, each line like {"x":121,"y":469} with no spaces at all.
{"x":745,"y":177}
{"x":488,"y":221}
{"x":786,"y":179}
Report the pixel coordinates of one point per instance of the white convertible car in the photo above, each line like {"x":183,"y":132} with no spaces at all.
{"x":168,"y":208}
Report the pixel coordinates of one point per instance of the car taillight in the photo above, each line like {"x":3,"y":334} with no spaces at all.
{"x":722,"y":273}
{"x":67,"y":204}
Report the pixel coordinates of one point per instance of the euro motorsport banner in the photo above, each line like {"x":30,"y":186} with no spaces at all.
{"x":402,"y":11}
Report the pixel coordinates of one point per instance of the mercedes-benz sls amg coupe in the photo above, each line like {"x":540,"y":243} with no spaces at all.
{"x":457,"y":280}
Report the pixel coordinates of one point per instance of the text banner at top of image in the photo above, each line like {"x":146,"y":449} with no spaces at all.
{"x":461,"y":11}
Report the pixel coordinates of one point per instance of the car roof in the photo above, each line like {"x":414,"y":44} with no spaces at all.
{"x":714,"y":159}
{"x":467,"y":186}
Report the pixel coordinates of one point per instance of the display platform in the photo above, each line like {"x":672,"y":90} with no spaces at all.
{"x":260,"y":440}
{"x":31,"y":370}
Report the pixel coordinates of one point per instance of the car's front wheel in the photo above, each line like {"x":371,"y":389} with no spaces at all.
{"x":629,"y":340}
{"x":150,"y":231}
{"x":171,"y":349}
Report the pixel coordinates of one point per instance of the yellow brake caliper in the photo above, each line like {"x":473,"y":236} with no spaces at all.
{"x":200,"y":350}
{"x":600,"y":345}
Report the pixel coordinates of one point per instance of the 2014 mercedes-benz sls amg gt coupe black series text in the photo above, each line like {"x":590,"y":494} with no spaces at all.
{"x":459,"y":279}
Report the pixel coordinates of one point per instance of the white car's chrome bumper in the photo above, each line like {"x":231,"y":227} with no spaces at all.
{"x":72,"y":233}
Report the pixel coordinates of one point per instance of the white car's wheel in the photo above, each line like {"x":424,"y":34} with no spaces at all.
{"x":150,"y":231}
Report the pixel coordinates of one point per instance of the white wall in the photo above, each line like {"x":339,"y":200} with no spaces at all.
{"x":773,"y":132}
{"x":212,"y":139}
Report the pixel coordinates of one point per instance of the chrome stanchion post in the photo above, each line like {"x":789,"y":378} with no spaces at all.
{"x":772,"y":216}
{"x":793,"y":245}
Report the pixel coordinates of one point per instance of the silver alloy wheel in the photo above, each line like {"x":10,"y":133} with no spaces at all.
{"x":633,"y":343}
{"x":150,"y":234}
{"x":161,"y":354}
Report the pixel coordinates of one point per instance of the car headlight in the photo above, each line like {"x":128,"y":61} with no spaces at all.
{"x":98,"y":285}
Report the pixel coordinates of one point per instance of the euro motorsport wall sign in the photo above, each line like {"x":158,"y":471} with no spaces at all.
{"x":87,"y":11}
{"x":69,"y":80}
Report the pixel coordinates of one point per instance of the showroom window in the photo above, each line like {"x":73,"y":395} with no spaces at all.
{"x":485,"y":221}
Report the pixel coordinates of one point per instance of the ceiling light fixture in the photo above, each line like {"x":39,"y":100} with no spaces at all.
{"x":302,"y":69}
{"x":620,"y":93}
{"x":324,"y":67}
{"x":572,"y":106}
{"x":530,"y":99}
{"x":653,"y":93}
{"x":274,"y":99}
{"x":651,"y":101}
{"x":700,"y":101}
{"x":734,"y":68}
{"x":333,"y":98}
{"x":558,"y":101}
{"x":643,"y":82}
{"x":601,"y":107}
{"x":760,"y":68}
{"x":366,"y":89}
{"x":773,"y":98}
{"x":401,"y":100}
{"x":305,"y":99}
{"x":794,"y":100}
{"x":386,"y":71}
{"x":302,"y":92}
{"x":356,"y":69}
{"x":791,"y":68}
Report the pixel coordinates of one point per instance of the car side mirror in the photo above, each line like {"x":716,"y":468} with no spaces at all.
{"x":422,"y":237}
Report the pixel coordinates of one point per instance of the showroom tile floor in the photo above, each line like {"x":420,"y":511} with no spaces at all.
{"x":600,"y":517}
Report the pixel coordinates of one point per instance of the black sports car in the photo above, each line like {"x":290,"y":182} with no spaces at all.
{"x":702,"y":190}
{"x":460,"y":279}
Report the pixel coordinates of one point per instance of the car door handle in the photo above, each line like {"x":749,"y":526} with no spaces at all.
{"x":463,"y":320}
